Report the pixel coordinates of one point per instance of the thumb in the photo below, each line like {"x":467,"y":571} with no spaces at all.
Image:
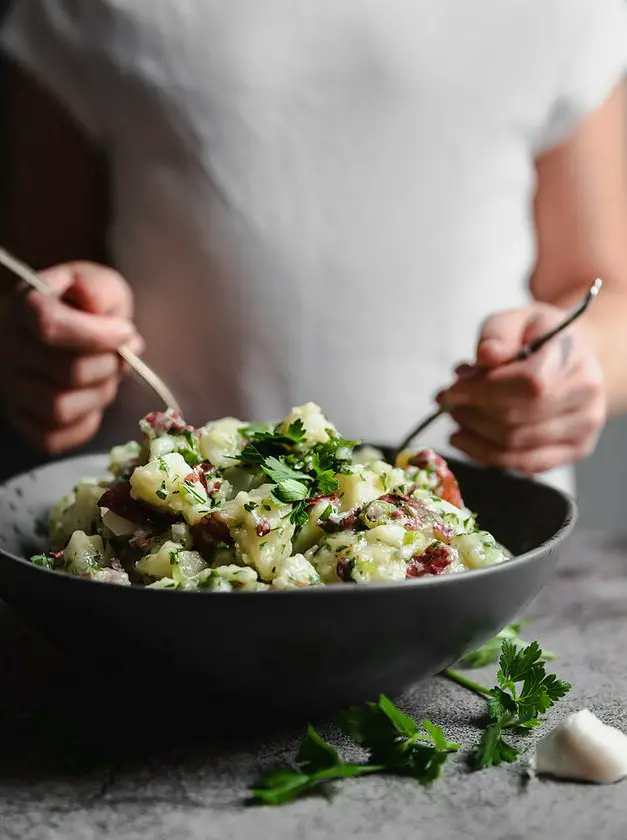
{"x":92,"y":288}
{"x":541,"y":323}
{"x":502,"y":336}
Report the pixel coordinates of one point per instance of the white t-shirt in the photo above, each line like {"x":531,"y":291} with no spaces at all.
{"x":320,"y":199}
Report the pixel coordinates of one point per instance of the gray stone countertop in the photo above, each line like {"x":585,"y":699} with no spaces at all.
{"x":198,"y":792}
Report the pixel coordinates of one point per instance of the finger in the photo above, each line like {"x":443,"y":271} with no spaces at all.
{"x":529,"y":462}
{"x":506,"y":334}
{"x":70,"y":371}
{"x":56,"y":324}
{"x":570,"y":427}
{"x":60,"y":367}
{"x":519,"y":390}
{"x":501,"y":337}
{"x":50,"y":408}
{"x":91,"y":287}
{"x":56,"y":441}
{"x":526,"y":400}
{"x":546,"y":363}
{"x":73,"y":372}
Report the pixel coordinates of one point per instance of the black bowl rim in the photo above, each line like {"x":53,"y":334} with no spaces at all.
{"x":558,"y":537}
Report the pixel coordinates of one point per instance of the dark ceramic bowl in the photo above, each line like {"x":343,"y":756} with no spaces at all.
{"x":315,"y":648}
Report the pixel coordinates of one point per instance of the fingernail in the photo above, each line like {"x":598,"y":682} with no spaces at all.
{"x":464,"y":371}
{"x":136,"y":344}
{"x":125,"y":331}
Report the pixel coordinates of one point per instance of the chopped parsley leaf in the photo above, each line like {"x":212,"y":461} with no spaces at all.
{"x":326,"y":513}
{"x":395,"y":744}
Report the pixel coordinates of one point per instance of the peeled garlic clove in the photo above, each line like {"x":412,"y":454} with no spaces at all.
{"x":583,"y":748}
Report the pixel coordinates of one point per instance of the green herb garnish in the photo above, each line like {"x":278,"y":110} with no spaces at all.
{"x":196,"y":496}
{"x":524,"y":692}
{"x":43,"y":560}
{"x":326,"y":513}
{"x":394,"y":741}
{"x":491,"y":650}
{"x":297,"y":475}
{"x":317,"y":763}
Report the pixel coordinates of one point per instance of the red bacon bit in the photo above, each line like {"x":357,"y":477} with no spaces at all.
{"x":411,"y":513}
{"x":331,"y":499}
{"x":214,"y":486}
{"x":414,"y":514}
{"x":118,"y":499}
{"x":159,"y":423}
{"x":350,"y":520}
{"x":141,"y":540}
{"x":199,"y":475}
{"x":262,"y":528}
{"x":344,"y":568}
{"x":211,"y":529}
{"x":57,"y":555}
{"x":341,"y":522}
{"x":433,"y":561}
{"x":447,"y":487}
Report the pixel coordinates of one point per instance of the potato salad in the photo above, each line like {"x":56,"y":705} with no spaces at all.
{"x":232,"y":506}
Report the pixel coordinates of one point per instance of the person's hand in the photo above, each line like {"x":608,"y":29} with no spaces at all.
{"x":534,"y":415}
{"x":59,"y":368}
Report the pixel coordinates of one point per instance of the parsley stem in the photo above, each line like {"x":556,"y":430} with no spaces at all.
{"x":481,"y":690}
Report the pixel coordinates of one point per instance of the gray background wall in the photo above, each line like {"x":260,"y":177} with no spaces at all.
{"x":602,"y":481}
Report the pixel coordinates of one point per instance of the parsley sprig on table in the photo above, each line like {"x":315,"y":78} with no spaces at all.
{"x":297,"y":473}
{"x":491,"y":650}
{"x":395,"y":743}
{"x":523,"y":693}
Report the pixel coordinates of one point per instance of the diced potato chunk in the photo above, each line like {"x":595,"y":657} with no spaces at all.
{"x":478,"y":550}
{"x":77,"y":511}
{"x":261,"y":530}
{"x":358,"y":558}
{"x":311,"y":533}
{"x":162,"y":484}
{"x":296,"y":571}
{"x":224,"y":579}
{"x":221,"y":440}
{"x":115,"y":576}
{"x":121,"y":456}
{"x":316,"y":424}
{"x":358,"y":487}
{"x":83,"y":553}
{"x":169,"y":559}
